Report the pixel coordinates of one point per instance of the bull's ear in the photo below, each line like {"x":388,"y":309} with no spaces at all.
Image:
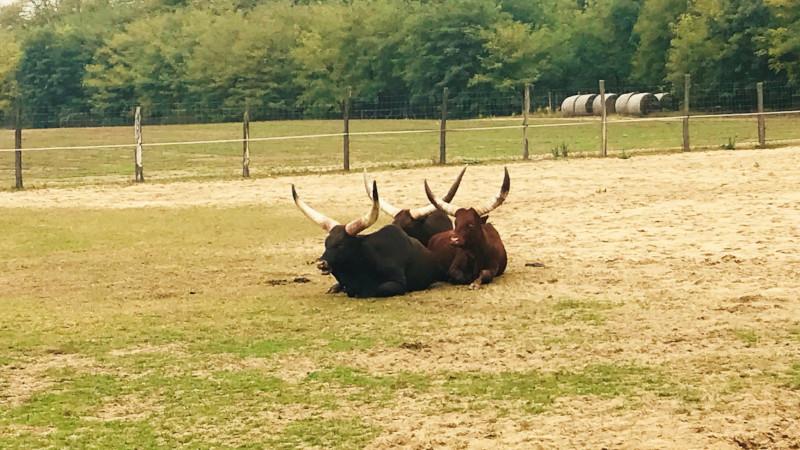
{"x":484,"y":219}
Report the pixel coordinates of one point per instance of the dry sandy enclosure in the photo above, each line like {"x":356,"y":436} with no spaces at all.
{"x":690,"y":246}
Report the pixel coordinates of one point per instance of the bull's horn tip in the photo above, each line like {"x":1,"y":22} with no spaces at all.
{"x":374,"y":190}
{"x":294,"y":192}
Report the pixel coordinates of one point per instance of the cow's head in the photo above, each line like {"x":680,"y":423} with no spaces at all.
{"x":407,"y":219}
{"x":341,"y":244}
{"x":469,"y":220}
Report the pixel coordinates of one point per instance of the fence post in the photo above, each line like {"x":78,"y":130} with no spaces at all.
{"x":246,"y":144}
{"x":686,"y":84}
{"x":549,"y":102}
{"x":138,"y":172}
{"x":443,"y":130}
{"x":604,"y":122}
{"x":526,"y":107}
{"x":18,"y":151}
{"x":346,"y":136}
{"x":762,"y":131}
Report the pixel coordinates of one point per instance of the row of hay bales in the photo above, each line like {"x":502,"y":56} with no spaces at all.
{"x":632,"y":103}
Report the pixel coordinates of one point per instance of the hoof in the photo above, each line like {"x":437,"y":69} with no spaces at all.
{"x":474,"y":286}
{"x":335,"y":289}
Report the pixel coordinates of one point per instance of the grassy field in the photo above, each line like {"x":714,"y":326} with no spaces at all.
{"x":324,"y":154}
{"x":157,"y":329}
{"x":658,"y":320}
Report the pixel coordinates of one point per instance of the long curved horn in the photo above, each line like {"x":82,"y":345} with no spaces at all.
{"x":498,"y":199}
{"x":386,"y":207}
{"x":320,"y":219}
{"x":362,"y":223}
{"x":427,"y":210}
{"x":438,"y":203}
{"x":454,"y":187}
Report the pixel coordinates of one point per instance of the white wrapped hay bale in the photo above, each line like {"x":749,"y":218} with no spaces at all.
{"x":583,"y":104}
{"x":568,"y":105}
{"x":597,"y":105}
{"x":642,"y":104}
{"x":620,"y":106}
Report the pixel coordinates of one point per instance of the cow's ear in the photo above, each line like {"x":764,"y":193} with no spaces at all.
{"x":484,"y":219}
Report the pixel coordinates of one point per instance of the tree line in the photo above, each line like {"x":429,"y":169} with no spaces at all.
{"x":59,"y":57}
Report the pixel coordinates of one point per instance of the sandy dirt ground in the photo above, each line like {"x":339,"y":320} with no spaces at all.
{"x":708,"y":241}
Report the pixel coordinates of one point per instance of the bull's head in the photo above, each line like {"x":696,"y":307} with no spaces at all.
{"x":341,"y":243}
{"x":469,"y":220}
{"x":405,"y":218}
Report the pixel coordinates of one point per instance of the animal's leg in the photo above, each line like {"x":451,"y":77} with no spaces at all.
{"x":390,"y":288}
{"x":485,"y":276}
{"x":395,"y":283}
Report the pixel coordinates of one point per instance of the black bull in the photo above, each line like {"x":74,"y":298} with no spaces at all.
{"x":382,"y":264}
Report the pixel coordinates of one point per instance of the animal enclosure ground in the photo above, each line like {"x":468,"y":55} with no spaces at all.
{"x":188,"y":314}
{"x":324,"y":154}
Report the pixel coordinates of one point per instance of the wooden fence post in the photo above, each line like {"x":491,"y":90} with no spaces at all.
{"x":443,"y":130}
{"x":18,"y":151}
{"x":604,"y":124}
{"x":686,"y":84}
{"x":246,"y":144}
{"x":526,"y":107}
{"x":762,"y":131}
{"x":138,"y":170}
{"x":549,"y":102}
{"x":346,"y":137}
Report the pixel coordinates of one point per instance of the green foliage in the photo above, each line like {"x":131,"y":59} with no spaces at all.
{"x":782,"y":41}
{"x":730,"y":145}
{"x":560,"y":151}
{"x":171,"y":55}
{"x":654,"y":30}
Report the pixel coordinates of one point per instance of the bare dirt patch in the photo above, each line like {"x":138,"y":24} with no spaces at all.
{"x":21,"y":380}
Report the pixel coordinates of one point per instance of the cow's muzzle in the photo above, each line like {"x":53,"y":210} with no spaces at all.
{"x":456,"y":241}
{"x":323,"y":267}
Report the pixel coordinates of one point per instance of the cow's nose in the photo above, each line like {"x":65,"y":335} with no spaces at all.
{"x":322,"y":265}
{"x":455,"y":240}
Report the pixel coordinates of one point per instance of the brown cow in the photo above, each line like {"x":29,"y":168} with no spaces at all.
{"x":473,"y":252}
{"x":423,"y":222}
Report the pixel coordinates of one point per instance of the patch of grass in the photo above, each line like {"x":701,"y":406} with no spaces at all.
{"x":588,"y":311}
{"x":326,"y":433}
{"x":371,"y":388}
{"x":255,"y":348}
{"x":624,"y":155}
{"x":730,"y":145}
{"x":537,"y":390}
{"x":749,"y":337}
{"x":794,"y":376}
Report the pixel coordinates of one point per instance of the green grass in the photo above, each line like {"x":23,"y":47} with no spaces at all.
{"x":159,"y":328}
{"x":324,"y":153}
{"x":537,"y":390}
{"x":588,"y":311}
{"x":749,"y":337}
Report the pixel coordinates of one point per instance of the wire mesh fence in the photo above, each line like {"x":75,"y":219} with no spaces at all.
{"x":207,"y":142}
